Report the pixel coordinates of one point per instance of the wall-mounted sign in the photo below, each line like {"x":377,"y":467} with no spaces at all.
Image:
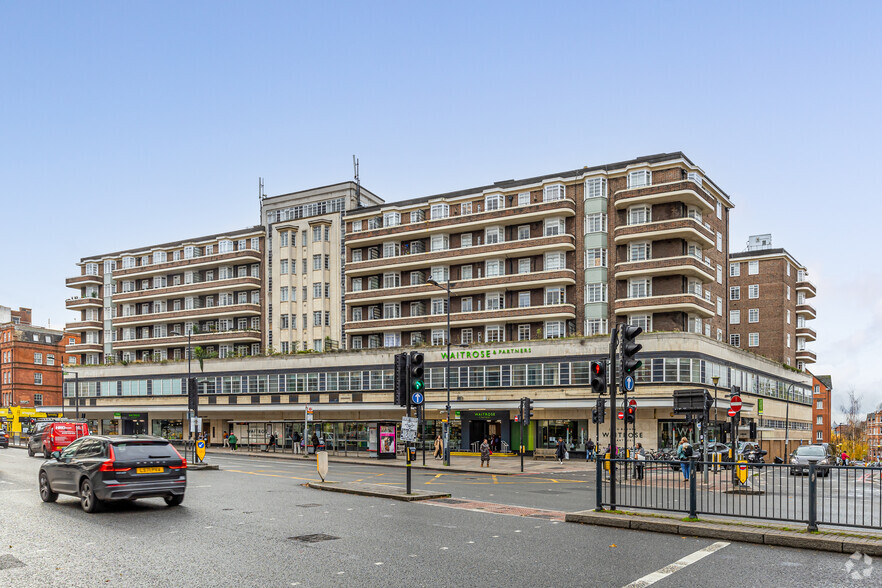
{"x":485,"y":353}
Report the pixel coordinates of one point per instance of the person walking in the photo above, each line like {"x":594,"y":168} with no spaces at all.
{"x":295,"y":440}
{"x":315,"y":442}
{"x":226,"y":442}
{"x":844,"y":458}
{"x":589,"y":450}
{"x":233,"y":440}
{"x":271,"y":443}
{"x":561,"y":450}
{"x":640,"y":456}
{"x":439,"y":448}
{"x":684,"y":453}
{"x":485,"y":453}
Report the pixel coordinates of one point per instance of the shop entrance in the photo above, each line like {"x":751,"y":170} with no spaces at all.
{"x":134,"y":425}
{"x":495,"y":426}
{"x":480,"y":430}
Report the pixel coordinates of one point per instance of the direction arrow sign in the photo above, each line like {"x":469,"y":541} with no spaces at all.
{"x":732,"y":412}
{"x":632,"y":402}
{"x":628,"y":383}
{"x":735,"y":403}
{"x":416,"y":398}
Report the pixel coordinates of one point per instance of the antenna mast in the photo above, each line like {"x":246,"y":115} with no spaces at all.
{"x":260,"y":193}
{"x":357,"y":183}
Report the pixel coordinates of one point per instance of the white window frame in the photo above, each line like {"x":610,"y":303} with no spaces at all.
{"x":439,"y":211}
{"x":554,"y":330}
{"x":553,"y":192}
{"x":524,"y":199}
{"x":595,"y":188}
{"x":752,"y":268}
{"x":555,"y":260}
{"x":494,"y":235}
{"x":734,"y":292}
{"x":752,"y":315}
{"x":639,"y":178}
{"x":734,"y":269}
{"x":639,"y":215}
{"x":735,"y":339}
{"x":494,"y":334}
{"x":494,"y":202}
{"x":439,"y":243}
{"x":554,"y":226}
{"x":640,"y":251}
{"x":753,"y":339}
{"x":642,"y":286}
{"x":753,"y":291}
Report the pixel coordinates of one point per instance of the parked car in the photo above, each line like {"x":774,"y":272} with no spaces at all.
{"x":4,"y":439}
{"x":800,"y":457}
{"x":55,"y":436}
{"x":100,"y":469}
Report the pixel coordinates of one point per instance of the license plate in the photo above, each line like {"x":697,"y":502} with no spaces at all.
{"x":149,"y":470}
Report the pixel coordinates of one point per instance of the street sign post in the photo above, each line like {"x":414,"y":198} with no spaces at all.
{"x":417,"y":398}
{"x":628,"y":383}
{"x":200,"y":449}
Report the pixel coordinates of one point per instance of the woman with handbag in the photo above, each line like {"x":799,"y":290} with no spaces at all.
{"x":439,"y":447}
{"x":561,"y":450}
{"x":485,"y":453}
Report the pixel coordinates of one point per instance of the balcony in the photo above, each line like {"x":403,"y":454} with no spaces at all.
{"x":77,"y":303}
{"x":84,"y":348}
{"x":806,"y":310}
{"x":468,"y":222}
{"x":806,"y":356}
{"x":243,"y":256}
{"x":465,"y":319}
{"x":566,"y":277}
{"x":807,"y":333}
{"x":509,"y":249}
{"x":82,"y":281}
{"x":243,"y":283}
{"x":210,"y":338}
{"x":685,"y":191}
{"x":690,"y":303}
{"x":192,"y":313}
{"x":807,"y":288}
{"x":687,"y":229}
{"x":686,"y":265}
{"x":84,"y":326}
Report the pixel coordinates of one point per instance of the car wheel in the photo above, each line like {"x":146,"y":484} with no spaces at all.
{"x":88,"y":500}
{"x":46,"y":493}
{"x":30,"y":451}
{"x":174,"y":500}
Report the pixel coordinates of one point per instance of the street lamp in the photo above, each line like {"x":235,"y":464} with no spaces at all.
{"x":446,"y":371}
{"x":76,"y":393}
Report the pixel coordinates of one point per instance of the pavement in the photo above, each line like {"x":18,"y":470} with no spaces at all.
{"x":376,"y":490}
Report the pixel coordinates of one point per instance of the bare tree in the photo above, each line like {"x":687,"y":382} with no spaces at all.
{"x":851,"y":408}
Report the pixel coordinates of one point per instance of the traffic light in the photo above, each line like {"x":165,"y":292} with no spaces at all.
{"x":594,"y":417}
{"x":598,"y":377}
{"x":630,"y":348}
{"x":528,"y":410}
{"x":401,"y":379}
{"x":708,"y":401}
{"x":415,"y":366}
{"x":521,"y":410}
{"x":192,"y":394}
{"x":630,"y":414}
{"x":752,"y":430}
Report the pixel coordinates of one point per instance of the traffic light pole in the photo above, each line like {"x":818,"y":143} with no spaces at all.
{"x":611,"y":374}
{"x":523,"y":445}
{"x":407,"y":443}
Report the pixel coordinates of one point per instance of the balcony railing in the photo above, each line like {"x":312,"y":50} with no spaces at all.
{"x":687,"y":265}
{"x":690,"y":303}
{"x":806,"y":309}
{"x":80,"y":280}
{"x":214,"y":258}
{"x":203,"y":286}
{"x":201,"y":338}
{"x":478,"y":317}
{"x":77,"y":302}
{"x":166,"y":315}
{"x":84,"y":326}
{"x":807,"y":333}
{"x":678,"y":228}
{"x":686,"y":191}
{"x":806,"y":356}
{"x":806,"y":288}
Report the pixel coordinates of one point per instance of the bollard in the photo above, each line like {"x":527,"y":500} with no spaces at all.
{"x":693,"y":495}
{"x":598,"y":503}
{"x":813,"y":497}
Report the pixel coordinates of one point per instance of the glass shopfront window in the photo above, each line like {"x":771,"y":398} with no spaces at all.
{"x":574,"y":433}
{"x":109,"y":427}
{"x":93,"y":426}
{"x":173,"y":430}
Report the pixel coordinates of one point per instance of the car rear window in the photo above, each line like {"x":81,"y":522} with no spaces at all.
{"x":143,"y":450}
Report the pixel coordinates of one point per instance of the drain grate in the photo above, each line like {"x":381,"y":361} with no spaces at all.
{"x":313,"y":538}
{"x":450,"y":501}
{"x":309,"y":505}
{"x":7,"y":562}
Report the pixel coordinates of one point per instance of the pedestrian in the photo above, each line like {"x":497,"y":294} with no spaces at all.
{"x":684,"y":453}
{"x":226,"y":442}
{"x":271,"y":443}
{"x":640,"y":456}
{"x":485,"y":453}
{"x":295,"y":440}
{"x":233,"y":440}
{"x":844,"y":458}
{"x":561,"y":450}
{"x":315,"y":442}
{"x":589,"y":450}
{"x":439,"y":448}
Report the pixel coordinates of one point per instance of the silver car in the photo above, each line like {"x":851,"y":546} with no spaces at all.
{"x":800,"y":458}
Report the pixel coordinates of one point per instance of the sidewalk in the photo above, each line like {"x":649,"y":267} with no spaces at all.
{"x":459,"y":464}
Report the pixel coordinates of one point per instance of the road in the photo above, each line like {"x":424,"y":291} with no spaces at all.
{"x":238,"y":527}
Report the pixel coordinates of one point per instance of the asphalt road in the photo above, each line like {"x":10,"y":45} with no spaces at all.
{"x":237,"y":528}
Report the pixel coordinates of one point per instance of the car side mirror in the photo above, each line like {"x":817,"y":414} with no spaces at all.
{"x":55,"y":455}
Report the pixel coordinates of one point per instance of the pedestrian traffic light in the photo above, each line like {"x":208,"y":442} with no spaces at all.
{"x":630,"y":414}
{"x":528,"y":410}
{"x":192,"y":394}
{"x":598,"y":377}
{"x":401,"y":379}
{"x":630,"y":348}
{"x":416,"y":372}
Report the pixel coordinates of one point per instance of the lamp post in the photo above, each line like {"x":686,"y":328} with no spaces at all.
{"x":446,"y":372}
{"x":716,"y":380}
{"x":76,"y":393}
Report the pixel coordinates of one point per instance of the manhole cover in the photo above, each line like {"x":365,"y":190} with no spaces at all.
{"x":226,"y":509}
{"x":308,"y":505}
{"x":451,"y":501}
{"x":314,"y":538}
{"x":7,"y":562}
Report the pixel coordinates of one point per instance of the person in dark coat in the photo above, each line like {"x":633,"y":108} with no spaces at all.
{"x":561,"y":450}
{"x":315,"y":443}
{"x":271,"y":443}
{"x":485,"y":453}
{"x":589,"y":450}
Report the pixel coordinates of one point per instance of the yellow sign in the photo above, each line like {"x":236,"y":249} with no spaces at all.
{"x":200,"y":449}
{"x":606,"y":462}
{"x":741,"y":471}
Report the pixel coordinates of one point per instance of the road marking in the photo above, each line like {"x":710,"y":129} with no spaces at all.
{"x":273,"y":475}
{"x":678,"y":565}
{"x":495,"y":481}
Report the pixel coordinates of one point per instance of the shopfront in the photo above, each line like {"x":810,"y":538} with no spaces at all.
{"x":132,"y":423}
{"x":477,"y":425}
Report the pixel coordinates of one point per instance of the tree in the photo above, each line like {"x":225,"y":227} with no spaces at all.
{"x":201,"y":355}
{"x":853,"y":439}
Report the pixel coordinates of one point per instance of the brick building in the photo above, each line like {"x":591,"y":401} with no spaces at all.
{"x":31,"y":360}
{"x":768,"y":299}
{"x":874,"y":436}
{"x":822,"y":388}
{"x":22,"y":316}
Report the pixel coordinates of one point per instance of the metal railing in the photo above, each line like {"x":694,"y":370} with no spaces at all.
{"x":812,"y":494}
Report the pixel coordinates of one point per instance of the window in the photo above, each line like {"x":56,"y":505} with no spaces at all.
{"x":356,"y":284}
{"x":38,"y":379}
{"x":734,"y":317}
{"x":465,"y":208}
{"x":753,"y":340}
{"x":524,"y":265}
{"x":356,"y":341}
{"x":317,"y":318}
{"x":316,"y":289}
{"x":554,"y":226}
{"x":465,"y":336}
{"x":283,"y":321}
{"x":465,"y":240}
{"x":554,"y":329}
{"x":735,"y":293}
{"x":417,"y":216}
{"x":391,"y":219}
{"x":523,"y":232}
{"x":439,"y":243}
{"x":327,"y":261}
{"x":38,"y":400}
{"x":719,"y":274}
{"x":493,"y":235}
{"x":719,"y":209}
{"x":466,"y":272}
{"x":356,"y":255}
{"x":719,"y":334}
{"x":466,"y":304}
{"x":820,"y":405}
{"x":595,"y":188}
{"x":719,"y":241}
{"x":494,"y":334}
{"x":820,"y":436}
{"x":640,"y":288}
{"x":788,"y":292}
{"x":555,"y":192}
{"x":523,"y":299}
{"x":439,"y":336}
{"x":392,"y":249}
{"x":495,"y":301}
{"x":440,"y":273}
{"x":356,"y":314}
{"x":439,"y":306}
{"x":694,"y":250}
{"x":788,"y":270}
{"x":595,"y":257}
{"x":391,"y":310}
{"x":283,"y":267}
{"x":638,"y":179}
{"x":283,"y":239}
{"x":556,"y":295}
{"x":734,"y":269}
{"x":752,"y":268}
{"x":735,"y":340}
{"x":596,"y":292}
{"x":753,"y":291}
{"x":38,"y":358}
{"x":438,"y":211}
{"x":753,"y":315}
{"x":788,"y":339}
{"x":391,"y":280}
{"x":523,"y":199}
{"x":639,"y":251}
{"x":523,"y":332}
{"x":494,"y":268}
{"x":639,"y":215}
{"x":50,"y":359}
{"x":283,"y":294}
{"x":596,"y":327}
{"x":596,"y":223}
{"x":694,"y":213}
{"x":494,"y":202}
{"x":788,"y":316}
{"x":91,"y":269}
{"x":719,"y":306}
{"x":316,"y":261}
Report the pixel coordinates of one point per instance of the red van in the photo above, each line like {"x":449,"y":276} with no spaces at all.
{"x":55,"y":436}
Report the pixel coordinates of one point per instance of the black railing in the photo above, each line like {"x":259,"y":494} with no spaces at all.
{"x":811,"y":494}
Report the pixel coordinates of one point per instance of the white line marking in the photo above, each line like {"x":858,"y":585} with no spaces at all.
{"x":678,"y":565}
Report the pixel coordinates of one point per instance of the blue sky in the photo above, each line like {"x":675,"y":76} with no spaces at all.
{"x":126,"y":124}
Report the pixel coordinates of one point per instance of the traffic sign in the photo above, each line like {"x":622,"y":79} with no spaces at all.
{"x":628,"y":383}
{"x":417,"y":398}
{"x":621,"y":415}
{"x":200,"y":449}
{"x":735,"y":403}
{"x":632,"y":402}
{"x":732,"y":412}
{"x":741,"y":471}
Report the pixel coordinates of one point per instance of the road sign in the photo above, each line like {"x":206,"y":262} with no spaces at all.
{"x":632,"y":402}
{"x":417,"y":398}
{"x":759,"y":406}
{"x":628,"y":383}
{"x":621,"y":415}
{"x":200,"y":449}
{"x":742,"y":471}
{"x":732,"y":412}
{"x":308,"y":413}
{"x":735,"y":403}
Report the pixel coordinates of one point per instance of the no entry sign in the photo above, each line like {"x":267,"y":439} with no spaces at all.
{"x":735,"y":403}
{"x":632,"y":402}
{"x":732,"y":412}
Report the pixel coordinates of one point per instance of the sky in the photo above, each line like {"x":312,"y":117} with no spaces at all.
{"x":129,"y":124}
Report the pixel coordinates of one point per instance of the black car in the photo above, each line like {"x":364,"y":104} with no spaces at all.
{"x":4,"y":438}
{"x":99,"y":469}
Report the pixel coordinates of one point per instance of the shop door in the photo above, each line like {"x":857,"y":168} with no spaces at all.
{"x":477,"y":434}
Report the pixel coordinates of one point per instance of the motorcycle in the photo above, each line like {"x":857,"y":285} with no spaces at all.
{"x":756,"y":457}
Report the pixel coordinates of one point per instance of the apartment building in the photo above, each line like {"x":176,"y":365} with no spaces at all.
{"x":768,"y":297}
{"x":145,"y":304}
{"x":304,"y":260}
{"x":564,"y":254}
{"x":22,"y":316}
{"x":31,"y":362}
{"x":873,"y":428}
{"x":822,"y":388}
